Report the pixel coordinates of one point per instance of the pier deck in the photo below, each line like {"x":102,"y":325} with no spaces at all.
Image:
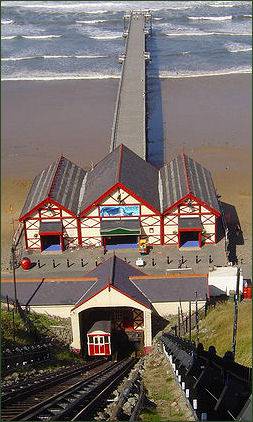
{"x":129,"y":126}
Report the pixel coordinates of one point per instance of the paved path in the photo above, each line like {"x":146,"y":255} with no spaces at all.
{"x":129,"y":126}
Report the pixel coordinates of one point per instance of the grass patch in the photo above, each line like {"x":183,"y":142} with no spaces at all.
{"x":163,"y":390}
{"x":217,"y":330}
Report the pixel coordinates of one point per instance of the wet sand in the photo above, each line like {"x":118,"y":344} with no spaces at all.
{"x":208,"y":118}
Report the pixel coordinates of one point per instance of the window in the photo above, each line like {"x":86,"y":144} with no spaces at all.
{"x":151,"y":230}
{"x":107,"y":339}
{"x":96,"y":340}
{"x":90,"y":339}
{"x":101,"y":340}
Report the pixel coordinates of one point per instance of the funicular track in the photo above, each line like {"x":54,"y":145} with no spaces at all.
{"x":76,"y":398}
{"x":25,"y":393}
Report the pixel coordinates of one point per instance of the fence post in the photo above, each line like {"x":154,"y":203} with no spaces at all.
{"x":197,"y":317}
{"x":13,"y":323}
{"x":190,"y":321}
{"x":178,"y":318}
{"x":8,"y":305}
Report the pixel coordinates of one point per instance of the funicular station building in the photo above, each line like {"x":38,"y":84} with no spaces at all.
{"x":121,"y":200}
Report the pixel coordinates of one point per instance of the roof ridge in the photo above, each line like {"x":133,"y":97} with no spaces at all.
{"x":54,"y":176}
{"x":112,"y":273}
{"x":188,"y":184}
{"x":120,"y":163}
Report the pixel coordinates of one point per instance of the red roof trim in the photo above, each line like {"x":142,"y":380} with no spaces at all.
{"x":111,"y":287}
{"x":40,"y":204}
{"x":89,"y":298}
{"x":98,"y":200}
{"x":107,"y":193}
{"x":195,"y":198}
{"x":138,"y":198}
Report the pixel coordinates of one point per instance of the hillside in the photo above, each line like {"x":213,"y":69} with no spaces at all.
{"x":217,"y":328}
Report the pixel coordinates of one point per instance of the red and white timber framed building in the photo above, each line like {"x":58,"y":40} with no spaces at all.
{"x":121,"y":199}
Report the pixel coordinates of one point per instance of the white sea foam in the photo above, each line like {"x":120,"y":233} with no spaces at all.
{"x":202,"y":33}
{"x":178,"y":75}
{"x":210,"y":18}
{"x":238,"y":48}
{"x":105,"y":37}
{"x":40,"y":37}
{"x":11,"y":37}
{"x":93,"y":21}
{"x":164,"y":74}
{"x":247,"y":16}
{"x":226,"y":4}
{"x":6,"y":22}
{"x":60,"y":77}
{"x":14,"y":59}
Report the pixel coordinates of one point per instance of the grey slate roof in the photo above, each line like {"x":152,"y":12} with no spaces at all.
{"x":182,"y":176}
{"x":61,"y":181}
{"x":170,"y":289}
{"x":50,"y":226}
{"x":101,"y":326}
{"x":49,"y":293}
{"x":115,"y":272}
{"x":189,"y":222}
{"x":124,"y":166}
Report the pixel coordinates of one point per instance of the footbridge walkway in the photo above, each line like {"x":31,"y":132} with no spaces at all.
{"x":129,"y":124}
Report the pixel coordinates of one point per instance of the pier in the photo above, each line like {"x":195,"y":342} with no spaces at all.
{"x":129,"y":124}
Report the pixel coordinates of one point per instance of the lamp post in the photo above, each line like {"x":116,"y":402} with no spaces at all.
{"x":236,"y":300}
{"x":14,"y":275}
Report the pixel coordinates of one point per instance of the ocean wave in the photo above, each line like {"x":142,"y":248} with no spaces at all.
{"x":247,"y":16}
{"x":163,"y":74}
{"x":238,"y":48}
{"x":60,"y":77}
{"x":9,"y":37}
{"x":178,"y":75}
{"x":7,"y":21}
{"x":202,"y":33}
{"x":93,"y":21}
{"x":40,"y":37}
{"x":105,"y":37}
{"x":14,"y":59}
{"x":210,"y":18}
{"x":222,"y":5}
{"x":96,"y":12}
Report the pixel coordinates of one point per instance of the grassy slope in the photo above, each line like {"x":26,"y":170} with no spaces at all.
{"x":217,"y":328}
{"x":162,"y":389}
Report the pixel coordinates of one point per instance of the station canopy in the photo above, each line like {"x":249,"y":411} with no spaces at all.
{"x":120,"y":227}
{"x":50,"y":227}
{"x":190,"y":223}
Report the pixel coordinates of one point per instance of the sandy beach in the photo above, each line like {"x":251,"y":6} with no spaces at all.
{"x":208,"y":118}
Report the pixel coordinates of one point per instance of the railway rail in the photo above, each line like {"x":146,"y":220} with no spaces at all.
{"x":74,"y":398}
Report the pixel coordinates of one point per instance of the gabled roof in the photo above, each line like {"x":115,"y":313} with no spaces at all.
{"x":61,"y":182}
{"x":47,"y":293}
{"x":172,"y":288}
{"x":115,"y":273}
{"x":122,"y":167}
{"x":183,"y":176}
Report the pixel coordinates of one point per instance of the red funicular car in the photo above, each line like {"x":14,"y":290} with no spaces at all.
{"x":99,"y":339}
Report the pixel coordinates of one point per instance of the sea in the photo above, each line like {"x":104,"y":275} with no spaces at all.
{"x":45,"y":40}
